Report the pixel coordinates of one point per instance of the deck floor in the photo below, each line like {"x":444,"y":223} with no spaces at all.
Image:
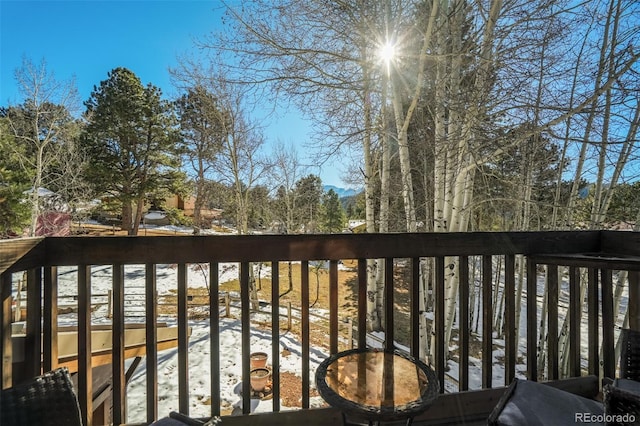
{"x":465,"y":408}
{"x":469,"y":408}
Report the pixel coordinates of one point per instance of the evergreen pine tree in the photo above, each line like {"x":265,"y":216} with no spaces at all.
{"x":131,"y":139}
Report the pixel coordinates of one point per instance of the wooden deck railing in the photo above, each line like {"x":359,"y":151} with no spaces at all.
{"x":41,"y":257}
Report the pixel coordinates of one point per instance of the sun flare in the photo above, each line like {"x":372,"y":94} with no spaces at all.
{"x":387,"y":52}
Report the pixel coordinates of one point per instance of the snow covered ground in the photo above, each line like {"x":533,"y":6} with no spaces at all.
{"x":199,"y":376}
{"x":199,"y":347}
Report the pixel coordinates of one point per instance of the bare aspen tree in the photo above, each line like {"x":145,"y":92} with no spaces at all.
{"x":566,"y":143}
{"x":238,"y":162}
{"x":588,"y":127}
{"x":458,"y":70}
{"x":202,"y":125}
{"x":286,"y":172}
{"x":454,"y":168}
{"x":42,"y":124}
{"x":322,"y":57}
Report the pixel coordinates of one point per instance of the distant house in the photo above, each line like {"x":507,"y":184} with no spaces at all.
{"x":357,"y":226}
{"x":154,"y":212}
{"x":54,"y":218}
{"x":53,"y":224}
{"x":187,"y":205}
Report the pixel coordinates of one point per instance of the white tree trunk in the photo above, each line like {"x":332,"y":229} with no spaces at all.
{"x":455,"y":166}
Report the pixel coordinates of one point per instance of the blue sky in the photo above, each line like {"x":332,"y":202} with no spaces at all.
{"x":87,"y":39}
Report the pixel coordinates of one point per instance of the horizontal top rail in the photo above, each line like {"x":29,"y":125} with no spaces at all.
{"x":593,"y":260}
{"x":237,"y":248}
{"x":22,"y":253}
{"x":621,"y":242}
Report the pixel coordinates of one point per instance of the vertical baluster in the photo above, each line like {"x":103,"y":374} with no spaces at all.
{"x":510,"y":321}
{"x":575,"y":307}
{"x":593,"y":333}
{"x":6,"y":352}
{"x":33,"y":340}
{"x":415,"y":317}
{"x":85,"y":369}
{"x":333,"y":306}
{"x":275,"y":334}
{"x":608,"y":323}
{"x":151,"y":335}
{"x":214,"y":333}
{"x":389,"y":335}
{"x":118,"y":330}
{"x":487,"y":321}
{"x":183,"y":341}
{"x":362,"y":303}
{"x":532,"y":320}
{"x":304,"y":293}
{"x":245,"y":316}
{"x":552,"y":321}
{"x":439,"y":322}
{"x":463,"y":337}
{"x":50,"y":319}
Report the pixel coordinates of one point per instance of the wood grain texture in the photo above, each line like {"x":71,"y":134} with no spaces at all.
{"x":238,"y":248}
{"x":21,"y":254}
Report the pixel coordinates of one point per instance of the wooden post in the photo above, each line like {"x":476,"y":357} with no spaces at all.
{"x":388,"y":305}
{"x":151,"y":337}
{"x":289,"y":316}
{"x":85,"y":370}
{"x":50,"y":319}
{"x":333,"y":307}
{"x":214,"y":341}
{"x":305,"y":331}
{"x":118,"y":344}
{"x":553,"y":368}
{"x":350,"y":332}
{"x":275,"y":334}
{"x":245,"y":318}
{"x":183,"y":341}
{"x":227,"y":305}
{"x":33,"y":341}
{"x":362,"y":303}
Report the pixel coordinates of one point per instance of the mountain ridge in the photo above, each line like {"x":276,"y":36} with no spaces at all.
{"x":342,"y":192}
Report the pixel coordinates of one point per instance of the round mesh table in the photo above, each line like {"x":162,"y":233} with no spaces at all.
{"x":377,"y":386}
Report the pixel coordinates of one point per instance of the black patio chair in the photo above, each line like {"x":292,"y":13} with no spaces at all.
{"x":526,"y":402}
{"x":622,"y":395}
{"x":47,"y":400}
{"x":529,"y":403}
{"x":630,"y":355}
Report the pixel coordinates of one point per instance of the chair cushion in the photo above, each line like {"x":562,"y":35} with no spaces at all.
{"x":531,"y":403}
{"x":47,"y":400}
{"x":627,"y":385}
